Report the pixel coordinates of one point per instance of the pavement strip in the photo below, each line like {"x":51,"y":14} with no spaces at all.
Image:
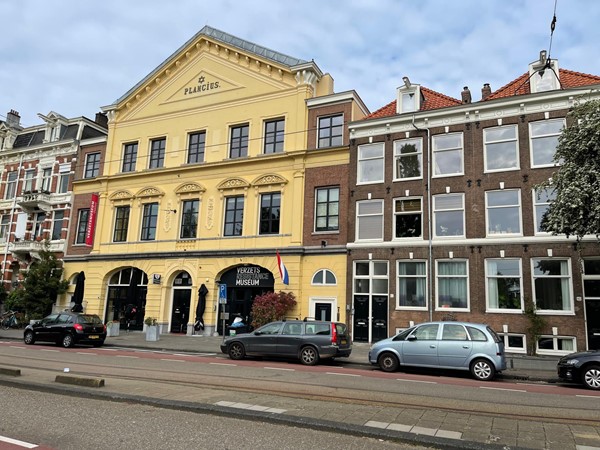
{"x":414,"y":429}
{"x":250,"y":407}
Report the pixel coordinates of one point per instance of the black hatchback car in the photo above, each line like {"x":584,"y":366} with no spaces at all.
{"x":581,"y":367}
{"x":308,"y":341}
{"x":67,"y":329}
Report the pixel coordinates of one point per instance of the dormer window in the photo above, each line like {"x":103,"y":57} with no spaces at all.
{"x":543,"y":74}
{"x":409,"y":97}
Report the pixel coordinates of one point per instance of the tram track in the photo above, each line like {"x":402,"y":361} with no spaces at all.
{"x":376,"y":397}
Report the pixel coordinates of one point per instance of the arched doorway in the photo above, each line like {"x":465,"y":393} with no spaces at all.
{"x":182,"y":295}
{"x":127,"y":294}
{"x":244,"y":283}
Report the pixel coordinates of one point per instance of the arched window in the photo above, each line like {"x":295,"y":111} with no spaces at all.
{"x":324,"y":277}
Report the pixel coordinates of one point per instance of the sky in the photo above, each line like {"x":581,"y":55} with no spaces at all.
{"x":73,"y":57}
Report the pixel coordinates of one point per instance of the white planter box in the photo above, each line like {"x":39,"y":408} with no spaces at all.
{"x":152,"y":333}
{"x":113,"y":328}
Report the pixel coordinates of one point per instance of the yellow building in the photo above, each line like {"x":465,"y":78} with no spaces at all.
{"x":204,"y":180}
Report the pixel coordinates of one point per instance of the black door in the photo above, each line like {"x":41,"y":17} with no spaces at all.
{"x":592,"y":313}
{"x":181,"y":310}
{"x":323,"y":311}
{"x":379,"y":326}
{"x":361,"y":318}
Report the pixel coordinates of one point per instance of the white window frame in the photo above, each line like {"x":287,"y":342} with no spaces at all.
{"x":396,"y":214}
{"x":532,"y":138}
{"x":436,"y":152}
{"x":487,"y":142}
{"x":489,"y":277}
{"x":488,"y":224}
{"x":378,"y":159}
{"x":423,"y":276}
{"x":5,"y":225}
{"x":418,"y":142}
{"x":508,"y":348}
{"x":312,"y":306}
{"x":537,"y":215}
{"x":11,"y":185}
{"x":448,"y":210}
{"x":555,"y":339}
{"x":29,"y":180}
{"x":46,"y":179}
{"x":323,"y":273}
{"x":439,"y":307}
{"x":378,"y":214}
{"x":569,"y":276}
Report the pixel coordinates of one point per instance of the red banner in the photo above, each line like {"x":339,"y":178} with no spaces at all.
{"x":91,"y":225}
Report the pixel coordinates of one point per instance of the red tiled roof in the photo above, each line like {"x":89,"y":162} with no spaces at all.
{"x":432,"y":100}
{"x":520,"y":86}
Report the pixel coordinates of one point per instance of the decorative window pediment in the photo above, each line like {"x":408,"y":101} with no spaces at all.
{"x":121,"y":195}
{"x":269,"y":180}
{"x":190,"y":188}
{"x":233,"y":183}
{"x":149,"y":192}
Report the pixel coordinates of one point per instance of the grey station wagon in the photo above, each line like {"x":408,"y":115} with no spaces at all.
{"x":308,"y":341}
{"x":443,"y":345}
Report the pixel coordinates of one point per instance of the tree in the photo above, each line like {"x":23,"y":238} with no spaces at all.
{"x":575,"y":210}
{"x":271,"y":306}
{"x":41,"y":286}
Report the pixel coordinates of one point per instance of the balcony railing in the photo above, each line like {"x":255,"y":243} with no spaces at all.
{"x":35,"y":201}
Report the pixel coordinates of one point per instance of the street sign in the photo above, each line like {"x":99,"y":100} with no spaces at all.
{"x":222,"y":294}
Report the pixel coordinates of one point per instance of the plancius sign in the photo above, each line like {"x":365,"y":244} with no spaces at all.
{"x":202,"y":86}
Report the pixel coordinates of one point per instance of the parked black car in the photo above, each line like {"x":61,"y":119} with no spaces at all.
{"x":67,"y":329}
{"x":308,"y":341}
{"x":581,"y":367}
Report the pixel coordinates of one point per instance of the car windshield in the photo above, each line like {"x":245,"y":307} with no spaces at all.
{"x":90,"y":319}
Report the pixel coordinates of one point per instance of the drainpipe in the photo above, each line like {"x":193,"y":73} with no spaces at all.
{"x":12,"y":213}
{"x":429,"y":215}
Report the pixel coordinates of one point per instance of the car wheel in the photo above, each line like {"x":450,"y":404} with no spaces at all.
{"x":591,"y":377}
{"x":388,"y":362}
{"x":29,"y":338}
{"x":483,"y":370}
{"x":67,"y":341}
{"x":236,"y":351}
{"x":309,"y":356}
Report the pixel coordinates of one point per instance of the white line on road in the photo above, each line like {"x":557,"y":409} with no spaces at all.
{"x":172,"y":360}
{"x":14,"y":346}
{"x":502,"y":389}
{"x":108,"y":349}
{"x":279,"y":368}
{"x":344,"y":374}
{"x":586,"y":396}
{"x":128,"y":356}
{"x":48,"y":350}
{"x":417,"y":381}
{"x":222,"y":364}
{"x":17,"y":442}
{"x":86,"y":353}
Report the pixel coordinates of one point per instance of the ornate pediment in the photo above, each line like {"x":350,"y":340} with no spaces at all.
{"x":269,"y":179}
{"x":149,"y":192}
{"x":121,"y":195}
{"x":233,"y":183}
{"x":190,"y":188}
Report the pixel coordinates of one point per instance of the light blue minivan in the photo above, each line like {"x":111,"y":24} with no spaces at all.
{"x":443,"y":345}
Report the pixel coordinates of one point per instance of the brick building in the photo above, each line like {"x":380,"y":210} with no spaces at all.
{"x":446,"y":220}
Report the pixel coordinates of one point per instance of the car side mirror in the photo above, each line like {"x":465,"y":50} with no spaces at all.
{"x":257,"y":333}
{"x":412,"y":337}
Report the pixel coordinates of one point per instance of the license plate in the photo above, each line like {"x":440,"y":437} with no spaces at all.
{"x":93,"y":336}
{"x":344,"y":341}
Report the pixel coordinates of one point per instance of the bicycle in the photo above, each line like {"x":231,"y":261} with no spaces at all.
{"x":9,"y":320}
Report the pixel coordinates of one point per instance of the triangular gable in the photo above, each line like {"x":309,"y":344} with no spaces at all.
{"x":520,"y":85}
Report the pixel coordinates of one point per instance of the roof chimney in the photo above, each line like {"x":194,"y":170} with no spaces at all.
{"x":466,"y":95}
{"x":101,"y":120}
{"x":13,"y":119}
{"x":486,"y":90}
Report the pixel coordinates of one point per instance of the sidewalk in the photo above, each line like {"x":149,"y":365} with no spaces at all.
{"x":436,"y":428}
{"x":519,"y":367}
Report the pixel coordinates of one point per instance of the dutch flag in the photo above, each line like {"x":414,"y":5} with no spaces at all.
{"x":282,"y":270}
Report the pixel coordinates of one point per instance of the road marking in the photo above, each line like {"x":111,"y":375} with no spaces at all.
{"x":344,"y":374}
{"x":586,"y":396}
{"x":502,"y":389}
{"x":128,"y":356}
{"x":14,"y":346}
{"x":223,"y":364}
{"x":251,"y":407}
{"x":108,"y":349}
{"x":17,"y":442}
{"x":417,"y":381}
{"x":172,"y":360}
{"x":48,"y":350}
{"x":279,"y":368}
{"x":86,"y":353}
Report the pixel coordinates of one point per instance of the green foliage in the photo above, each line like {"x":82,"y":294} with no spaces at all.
{"x":271,"y":306}
{"x":576,"y":209}
{"x":536,"y":325}
{"x":151,"y":321}
{"x":41,"y":286}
